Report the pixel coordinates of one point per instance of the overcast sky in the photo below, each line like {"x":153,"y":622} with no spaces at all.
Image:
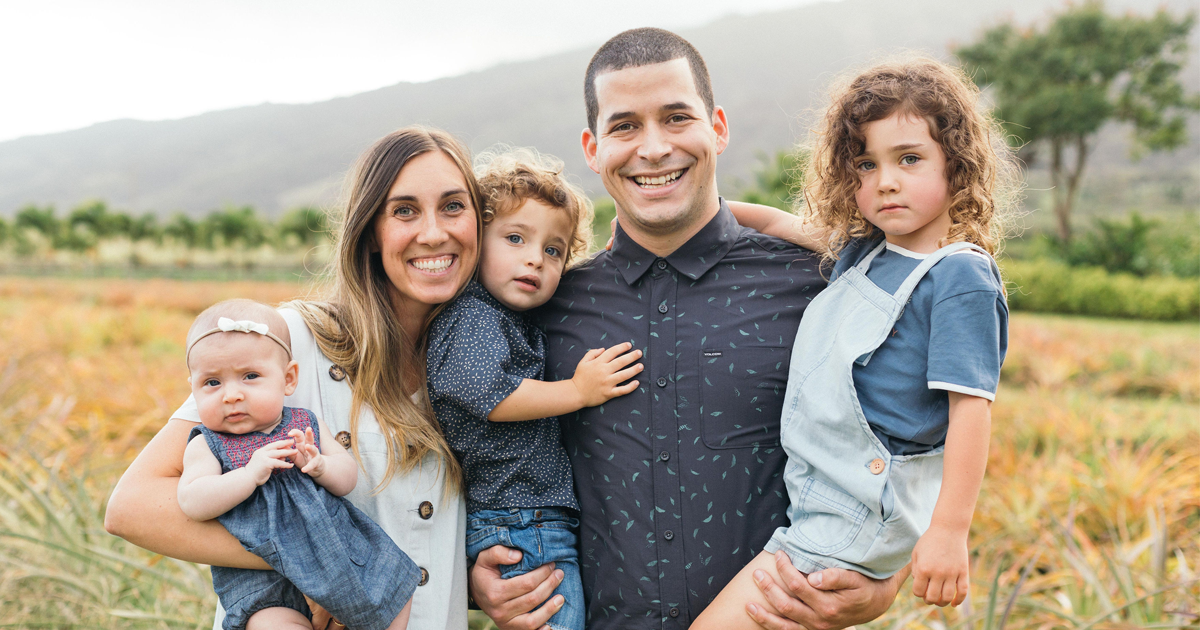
{"x":66,"y":64}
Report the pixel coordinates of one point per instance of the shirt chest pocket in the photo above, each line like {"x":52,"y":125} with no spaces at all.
{"x":741,"y":395}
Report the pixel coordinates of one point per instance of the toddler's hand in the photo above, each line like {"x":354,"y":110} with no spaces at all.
{"x":308,"y":457}
{"x":599,"y":375}
{"x":268,"y":458}
{"x":941,"y":574}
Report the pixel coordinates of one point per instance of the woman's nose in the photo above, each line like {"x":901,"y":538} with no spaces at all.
{"x":432,"y":233}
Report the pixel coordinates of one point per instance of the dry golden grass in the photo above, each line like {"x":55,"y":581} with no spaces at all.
{"x":1091,"y":505}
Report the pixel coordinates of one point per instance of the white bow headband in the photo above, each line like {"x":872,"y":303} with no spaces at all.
{"x":225,"y":324}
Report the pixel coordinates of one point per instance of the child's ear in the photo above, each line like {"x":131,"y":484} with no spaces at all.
{"x":291,"y":376}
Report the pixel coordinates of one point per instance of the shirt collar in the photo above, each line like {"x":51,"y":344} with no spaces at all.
{"x":693,"y":259}
{"x":476,"y":290}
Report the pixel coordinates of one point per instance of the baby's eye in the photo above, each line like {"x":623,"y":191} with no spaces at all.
{"x":515,"y":239}
{"x":251,"y":376}
{"x":553,"y":251}
{"x":909,"y":160}
{"x":212,"y":382}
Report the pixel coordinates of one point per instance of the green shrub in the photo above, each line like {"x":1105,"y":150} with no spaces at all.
{"x":1050,"y":286}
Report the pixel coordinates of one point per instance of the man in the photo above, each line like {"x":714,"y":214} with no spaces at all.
{"x":680,"y":482}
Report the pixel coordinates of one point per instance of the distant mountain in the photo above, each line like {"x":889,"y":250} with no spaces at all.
{"x":767,"y":70}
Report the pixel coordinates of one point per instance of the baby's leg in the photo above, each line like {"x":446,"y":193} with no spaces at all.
{"x":728,"y":610}
{"x":278,"y":617}
{"x":401,"y":621}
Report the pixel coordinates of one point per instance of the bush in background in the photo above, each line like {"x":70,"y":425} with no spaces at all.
{"x":1051,"y":286}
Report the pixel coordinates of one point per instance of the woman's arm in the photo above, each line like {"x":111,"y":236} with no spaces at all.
{"x":143,"y":508}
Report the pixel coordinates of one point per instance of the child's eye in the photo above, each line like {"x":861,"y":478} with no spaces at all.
{"x":212,"y":382}
{"x":251,"y":376}
{"x":909,"y":160}
{"x":866,"y":165}
{"x":553,"y":251}
{"x":515,"y":239}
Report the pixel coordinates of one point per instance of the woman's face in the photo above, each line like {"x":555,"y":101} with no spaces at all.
{"x":426,"y":233}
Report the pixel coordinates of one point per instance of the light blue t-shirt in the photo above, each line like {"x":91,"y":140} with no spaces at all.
{"x":952,"y":337}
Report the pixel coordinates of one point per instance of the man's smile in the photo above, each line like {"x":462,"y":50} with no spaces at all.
{"x":658,"y":181}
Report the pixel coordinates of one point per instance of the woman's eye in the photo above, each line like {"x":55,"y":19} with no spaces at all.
{"x":454,"y":207}
{"x":553,"y":251}
{"x":403,"y":211}
{"x":909,"y":160}
{"x":515,"y":239}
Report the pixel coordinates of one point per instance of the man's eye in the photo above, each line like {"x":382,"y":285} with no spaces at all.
{"x":553,"y":251}
{"x":678,"y":118}
{"x":515,"y":239}
{"x":623,"y":127}
{"x":909,"y":160}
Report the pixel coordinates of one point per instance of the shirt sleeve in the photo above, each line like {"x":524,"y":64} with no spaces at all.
{"x":968,"y":339}
{"x":188,"y":410}
{"x":470,"y":364}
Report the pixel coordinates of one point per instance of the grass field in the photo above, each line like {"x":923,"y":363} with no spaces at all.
{"x":1089,"y":517}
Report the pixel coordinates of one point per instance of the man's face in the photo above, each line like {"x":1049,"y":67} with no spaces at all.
{"x":656,"y":147}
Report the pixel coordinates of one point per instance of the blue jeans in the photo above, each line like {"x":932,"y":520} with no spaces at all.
{"x":542,"y":535}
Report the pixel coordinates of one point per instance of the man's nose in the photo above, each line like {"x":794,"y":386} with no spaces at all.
{"x":654,"y":146}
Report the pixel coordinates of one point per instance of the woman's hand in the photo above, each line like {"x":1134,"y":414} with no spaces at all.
{"x":826,"y":600}
{"x":511,"y":602}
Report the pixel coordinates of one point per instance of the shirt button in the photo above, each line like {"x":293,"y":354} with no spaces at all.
{"x":674,"y":612}
{"x":426,"y":510}
{"x":424,"y":577}
{"x":664,"y":456}
{"x":337,"y":373}
{"x":662,"y":308}
{"x":877,"y":466}
{"x":662,"y":382}
{"x":343,"y":438}
{"x":668,"y":534}
{"x":662,"y":264}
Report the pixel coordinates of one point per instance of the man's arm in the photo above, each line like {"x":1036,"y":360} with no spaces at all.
{"x":143,"y":508}
{"x":511,"y":603}
{"x":826,"y":600}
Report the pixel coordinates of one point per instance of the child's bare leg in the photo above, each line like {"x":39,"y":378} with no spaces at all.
{"x":401,"y":621}
{"x":728,"y":610}
{"x":278,"y":617}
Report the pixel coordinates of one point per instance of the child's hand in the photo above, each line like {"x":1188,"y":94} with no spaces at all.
{"x":599,"y":375}
{"x":308,"y":457}
{"x":268,"y":458}
{"x":941,"y":574}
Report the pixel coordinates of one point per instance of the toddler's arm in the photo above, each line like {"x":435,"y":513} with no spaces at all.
{"x":597,"y":379}
{"x":780,"y":224}
{"x":205,"y":493}
{"x":333,"y":467}
{"x":940,"y":567}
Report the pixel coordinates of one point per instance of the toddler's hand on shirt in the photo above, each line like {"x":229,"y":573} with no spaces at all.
{"x":599,"y":375}
{"x":308,"y":457}
{"x":941,"y":572}
{"x":268,"y":458}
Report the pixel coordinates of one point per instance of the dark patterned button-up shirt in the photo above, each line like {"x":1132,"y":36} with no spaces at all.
{"x":679,"y":483}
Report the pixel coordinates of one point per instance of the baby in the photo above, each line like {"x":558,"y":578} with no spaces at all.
{"x":275,"y":477}
{"x":487,"y":361}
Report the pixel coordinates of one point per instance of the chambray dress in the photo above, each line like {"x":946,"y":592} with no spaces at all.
{"x":318,"y":544}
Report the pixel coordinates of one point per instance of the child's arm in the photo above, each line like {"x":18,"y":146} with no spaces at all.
{"x":597,"y":380}
{"x":940,"y":566}
{"x":205,"y":493}
{"x":777,"y":223}
{"x":333,"y":467}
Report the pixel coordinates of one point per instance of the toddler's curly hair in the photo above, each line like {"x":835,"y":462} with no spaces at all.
{"x":981,"y":170}
{"x":509,"y":176}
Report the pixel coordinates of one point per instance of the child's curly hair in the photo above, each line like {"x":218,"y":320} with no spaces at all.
{"x":510,"y":176}
{"x":981,"y":169}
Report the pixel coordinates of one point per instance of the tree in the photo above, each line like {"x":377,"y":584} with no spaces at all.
{"x":236,"y":227}
{"x":778,"y":180}
{"x":1056,"y":87}
{"x":308,"y":225}
{"x":35,"y":219}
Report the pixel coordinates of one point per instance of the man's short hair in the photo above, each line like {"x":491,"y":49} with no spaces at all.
{"x":643,"y":47}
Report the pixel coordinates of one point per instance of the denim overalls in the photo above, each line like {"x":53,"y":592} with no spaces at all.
{"x":852,"y":504}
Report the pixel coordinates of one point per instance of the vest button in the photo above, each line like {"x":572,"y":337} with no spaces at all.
{"x":343,"y":438}
{"x":337,"y":373}
{"x":426,"y":510}
{"x":877,"y":466}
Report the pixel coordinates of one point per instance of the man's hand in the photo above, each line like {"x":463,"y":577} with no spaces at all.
{"x":826,"y":600}
{"x":941,"y":573}
{"x":599,"y":375}
{"x":511,"y":603}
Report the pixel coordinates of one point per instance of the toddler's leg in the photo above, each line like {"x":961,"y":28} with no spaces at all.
{"x":728,"y":610}
{"x":278,"y":617}
{"x":401,"y":621}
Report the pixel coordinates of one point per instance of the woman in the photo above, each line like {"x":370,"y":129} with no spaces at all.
{"x":407,"y":244}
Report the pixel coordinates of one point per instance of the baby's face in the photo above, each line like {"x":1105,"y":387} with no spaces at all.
{"x":524,"y":253}
{"x":239,"y":381}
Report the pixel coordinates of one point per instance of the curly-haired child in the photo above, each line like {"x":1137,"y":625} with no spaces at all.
{"x":887,"y":415}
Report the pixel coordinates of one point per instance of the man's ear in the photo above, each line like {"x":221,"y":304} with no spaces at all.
{"x":588,"y":139}
{"x":721,"y":128}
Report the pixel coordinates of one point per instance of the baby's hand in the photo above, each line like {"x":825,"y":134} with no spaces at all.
{"x":308,"y":457}
{"x":941,"y":574}
{"x":599,"y":375}
{"x":268,"y":458}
